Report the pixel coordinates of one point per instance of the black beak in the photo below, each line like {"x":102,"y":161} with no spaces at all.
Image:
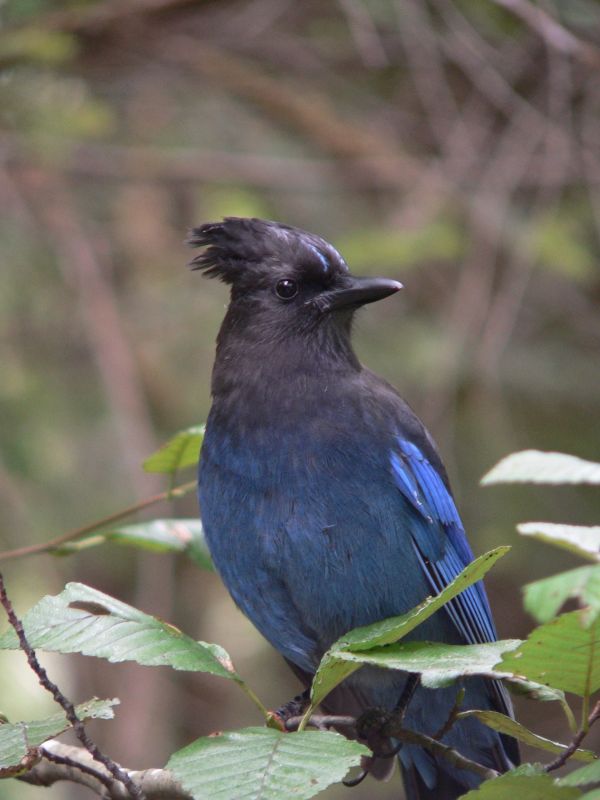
{"x":358,"y":292}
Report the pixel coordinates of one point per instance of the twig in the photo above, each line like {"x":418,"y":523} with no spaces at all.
{"x":55,"y":766}
{"x":562,"y":759}
{"x":312,"y":115}
{"x":364,"y":32}
{"x":452,"y":716}
{"x":73,"y":764}
{"x":67,"y":706}
{"x":437,"y":748}
{"x":391,"y":728}
{"x":46,"y":547}
{"x":552,"y":32}
{"x":86,"y":270}
{"x":322,"y":722}
{"x":410,"y":687}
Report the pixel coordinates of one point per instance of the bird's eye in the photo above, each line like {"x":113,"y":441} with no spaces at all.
{"x":286,"y":289}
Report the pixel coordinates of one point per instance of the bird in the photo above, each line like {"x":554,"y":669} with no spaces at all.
{"x":324,"y":501}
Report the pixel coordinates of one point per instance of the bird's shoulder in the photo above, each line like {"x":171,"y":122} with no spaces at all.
{"x":385,"y":408}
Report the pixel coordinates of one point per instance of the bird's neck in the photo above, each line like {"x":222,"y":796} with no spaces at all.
{"x":261,"y":364}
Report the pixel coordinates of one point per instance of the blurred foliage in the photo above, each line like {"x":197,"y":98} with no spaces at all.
{"x":447,"y":143}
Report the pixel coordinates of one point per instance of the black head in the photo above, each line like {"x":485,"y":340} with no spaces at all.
{"x":282,"y":279}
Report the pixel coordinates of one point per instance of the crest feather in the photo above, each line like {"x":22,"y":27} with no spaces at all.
{"x":233,"y":243}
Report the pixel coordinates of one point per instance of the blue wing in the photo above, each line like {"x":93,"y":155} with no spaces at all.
{"x":440,"y":541}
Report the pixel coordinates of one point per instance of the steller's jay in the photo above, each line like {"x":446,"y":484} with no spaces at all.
{"x":324,"y":501}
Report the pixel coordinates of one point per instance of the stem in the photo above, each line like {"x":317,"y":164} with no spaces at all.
{"x":577,"y":739}
{"x":45,"y":547}
{"x":305,"y":719}
{"x":572,"y":722}
{"x":254,"y":697}
{"x":394,"y":730}
{"x":443,"y":750}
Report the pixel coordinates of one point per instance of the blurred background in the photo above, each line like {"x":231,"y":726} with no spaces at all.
{"x":453,"y":144}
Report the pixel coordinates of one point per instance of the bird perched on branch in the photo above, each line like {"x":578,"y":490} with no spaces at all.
{"x":324,"y":500}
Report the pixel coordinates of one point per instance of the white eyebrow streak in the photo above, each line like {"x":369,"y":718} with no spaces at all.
{"x":322,"y":258}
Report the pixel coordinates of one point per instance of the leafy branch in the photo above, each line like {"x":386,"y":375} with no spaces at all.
{"x":68,"y":707}
{"x":179,"y":452}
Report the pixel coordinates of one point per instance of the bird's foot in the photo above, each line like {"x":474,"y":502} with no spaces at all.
{"x":293,"y":708}
{"x":369,"y":728}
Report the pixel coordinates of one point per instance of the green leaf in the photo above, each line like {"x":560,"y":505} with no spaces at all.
{"x":333,"y":671}
{"x":593,"y":795}
{"x":544,"y":598}
{"x":535,"y":466}
{"x":438,"y":664}
{"x":159,"y":535}
{"x":563,"y":653}
{"x":503,"y":724}
{"x":579,"y":539}
{"x":182,"y":450}
{"x":394,"y":628}
{"x":584,"y":776}
{"x":83,"y":620}
{"x":543,"y":694}
{"x":264,"y":764}
{"x":18,"y":737}
{"x":522,"y":787}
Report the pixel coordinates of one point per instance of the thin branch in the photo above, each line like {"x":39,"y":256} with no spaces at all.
{"x":389,"y":727}
{"x":438,"y":749}
{"x":78,"y":727}
{"x":183,"y":165}
{"x":364,"y":32}
{"x":62,"y":762}
{"x":86,"y":270}
{"x":321,"y":722}
{"x":452,"y":716}
{"x":73,"y":764}
{"x":312,"y":114}
{"x":552,"y":32}
{"x":78,"y":533}
{"x":562,"y":759}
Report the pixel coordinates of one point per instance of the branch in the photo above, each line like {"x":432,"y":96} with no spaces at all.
{"x":61,"y":762}
{"x":443,"y":750}
{"x":388,"y":726}
{"x":577,"y":740}
{"x":552,"y":32}
{"x":67,"y":706}
{"x":78,"y":533}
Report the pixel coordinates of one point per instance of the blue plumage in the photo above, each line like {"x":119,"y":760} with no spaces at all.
{"x":324,"y":500}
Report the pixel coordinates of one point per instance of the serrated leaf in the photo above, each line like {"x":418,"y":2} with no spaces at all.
{"x":159,"y":535}
{"x":503,"y":724}
{"x":522,"y":787}
{"x":438,"y":664}
{"x":536,"y":466}
{"x":563,"y":653}
{"x":583,"y":776}
{"x":264,"y":764}
{"x":17,"y":737}
{"x":182,"y":450}
{"x":332,"y":671}
{"x":543,"y":694}
{"x":83,"y":620}
{"x":545,"y":598}
{"x":582,"y":540}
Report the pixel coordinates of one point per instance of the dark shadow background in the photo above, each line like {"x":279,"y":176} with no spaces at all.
{"x":453,"y":144}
